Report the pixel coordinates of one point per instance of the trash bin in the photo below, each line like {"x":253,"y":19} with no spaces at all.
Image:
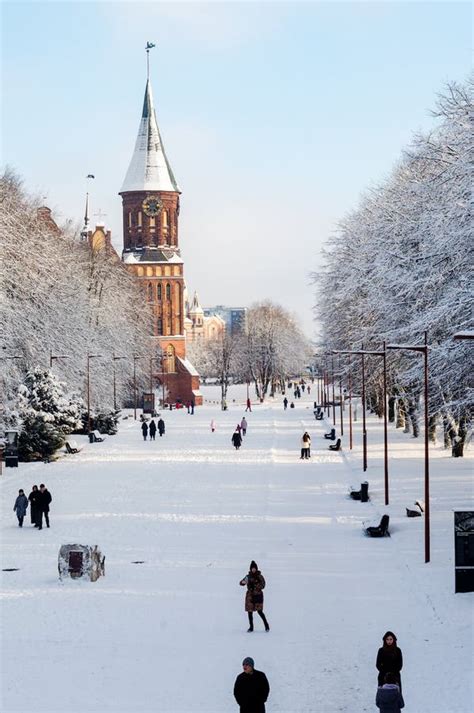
{"x":91,"y":438}
{"x":364,"y":492}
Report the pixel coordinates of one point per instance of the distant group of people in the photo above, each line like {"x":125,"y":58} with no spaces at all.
{"x":151,"y":428}
{"x":39,"y":501}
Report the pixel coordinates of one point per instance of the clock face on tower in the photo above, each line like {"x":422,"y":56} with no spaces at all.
{"x":152,"y":205}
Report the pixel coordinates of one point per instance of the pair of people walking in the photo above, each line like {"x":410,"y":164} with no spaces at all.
{"x":389,"y":664}
{"x":39,"y":500}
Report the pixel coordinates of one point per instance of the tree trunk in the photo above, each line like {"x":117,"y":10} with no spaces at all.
{"x":391,"y":409}
{"x":460,"y":440}
{"x":413,"y":414}
{"x":432,"y":428}
{"x":401,"y":413}
{"x":449,"y":429}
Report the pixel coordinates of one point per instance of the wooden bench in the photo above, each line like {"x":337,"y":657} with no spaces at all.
{"x":331,"y":436}
{"x":72,"y":447}
{"x":96,"y":437}
{"x":335,"y":446}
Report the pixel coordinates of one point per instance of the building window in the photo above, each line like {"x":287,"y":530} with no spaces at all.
{"x":150,"y":292}
{"x":130,"y":219}
{"x":170,"y":358}
{"x":152,"y":221}
{"x":158,"y":290}
{"x":159,"y":326}
{"x":139,"y":219}
{"x":168,"y":291}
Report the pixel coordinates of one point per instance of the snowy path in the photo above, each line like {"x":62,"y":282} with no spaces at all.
{"x":169,"y":635}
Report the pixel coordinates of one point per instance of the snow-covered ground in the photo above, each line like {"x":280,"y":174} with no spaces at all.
{"x":169,"y":635}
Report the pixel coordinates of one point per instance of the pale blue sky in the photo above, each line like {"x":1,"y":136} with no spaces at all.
{"x":275,"y":117}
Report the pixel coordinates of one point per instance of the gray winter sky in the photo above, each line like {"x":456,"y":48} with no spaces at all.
{"x":275,"y":117}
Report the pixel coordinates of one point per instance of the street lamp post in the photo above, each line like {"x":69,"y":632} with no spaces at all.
{"x":423,"y":349}
{"x":114,"y":359}
{"x":89,"y":357}
{"x":135,"y":358}
{"x":362,"y":353}
{"x":333,"y":393}
{"x":56,"y":356}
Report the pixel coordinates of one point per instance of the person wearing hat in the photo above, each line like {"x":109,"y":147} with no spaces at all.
{"x":251,"y":688}
{"x":255,"y":583}
{"x":388,"y":698}
{"x":389,"y":659}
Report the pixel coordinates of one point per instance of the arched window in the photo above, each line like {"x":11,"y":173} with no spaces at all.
{"x":139,"y":219}
{"x":159,"y":326}
{"x":168,"y":291}
{"x":130,"y":219}
{"x":158,"y":290}
{"x":164,"y":219}
{"x":150,"y":292}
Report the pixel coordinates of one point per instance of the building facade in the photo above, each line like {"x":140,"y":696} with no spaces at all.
{"x":235,"y":318}
{"x":200,"y":328}
{"x":151,"y":252}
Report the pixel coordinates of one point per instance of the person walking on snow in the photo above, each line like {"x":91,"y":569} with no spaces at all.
{"x":255,"y":583}
{"x":213,"y":425}
{"x":236,"y":439}
{"x":44,"y":503}
{"x":389,"y":659}
{"x":251,"y":688}
{"x":20,"y":507}
{"x":34,"y":498}
{"x":249,"y":406}
{"x":243,"y":425}
{"x":305,"y":446}
{"x":144,"y":430}
{"x":285,"y":403}
{"x":152,"y":430}
{"x":389,"y":698}
{"x":161,"y":427}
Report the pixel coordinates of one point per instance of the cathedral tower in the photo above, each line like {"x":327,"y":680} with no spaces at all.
{"x":150,"y":198}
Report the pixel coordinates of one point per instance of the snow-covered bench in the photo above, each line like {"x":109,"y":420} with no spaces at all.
{"x":380,"y":530}
{"x":72,"y":447}
{"x":335,"y":446}
{"x":96,"y":437}
{"x":418,"y":510}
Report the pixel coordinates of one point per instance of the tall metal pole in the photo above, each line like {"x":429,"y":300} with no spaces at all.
{"x":135,"y":388}
{"x":427,"y":460}
{"x":385,"y":425}
{"x":50,"y":358}
{"x":115,"y":388}
{"x":364,"y":425}
{"x":333,"y":393}
{"x":350,"y":402}
{"x":88,"y":396}
{"x":340,"y":394}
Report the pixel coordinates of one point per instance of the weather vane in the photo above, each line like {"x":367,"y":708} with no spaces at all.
{"x":149,"y":46}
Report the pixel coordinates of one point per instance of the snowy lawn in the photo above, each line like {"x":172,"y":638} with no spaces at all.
{"x":169,"y":635}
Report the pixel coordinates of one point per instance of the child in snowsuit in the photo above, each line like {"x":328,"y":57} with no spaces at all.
{"x":388,"y":698}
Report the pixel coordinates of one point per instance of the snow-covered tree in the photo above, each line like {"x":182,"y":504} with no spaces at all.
{"x":46,"y":414}
{"x":401,"y":264}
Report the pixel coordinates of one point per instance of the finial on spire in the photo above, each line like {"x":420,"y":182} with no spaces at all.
{"x":149,"y":46}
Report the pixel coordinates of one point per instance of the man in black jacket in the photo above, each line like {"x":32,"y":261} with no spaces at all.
{"x":251,"y":688}
{"x":43,"y":506}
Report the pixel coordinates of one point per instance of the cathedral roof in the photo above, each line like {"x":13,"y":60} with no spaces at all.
{"x":151,"y":255}
{"x":195,"y":305}
{"x":149,"y":169}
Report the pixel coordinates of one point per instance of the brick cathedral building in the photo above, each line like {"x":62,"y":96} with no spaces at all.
{"x":151,"y":203}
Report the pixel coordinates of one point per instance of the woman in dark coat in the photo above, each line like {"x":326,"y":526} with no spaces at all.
{"x":144,"y":430}
{"x":20,"y":506}
{"x":34,"y":498}
{"x":255,"y":583}
{"x":152,"y":430}
{"x":161,"y":426}
{"x":389,"y":659}
{"x":236,"y":439}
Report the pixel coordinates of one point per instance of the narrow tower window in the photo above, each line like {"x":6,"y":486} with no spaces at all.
{"x":139,"y":219}
{"x":158,"y":290}
{"x":168,"y":291}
